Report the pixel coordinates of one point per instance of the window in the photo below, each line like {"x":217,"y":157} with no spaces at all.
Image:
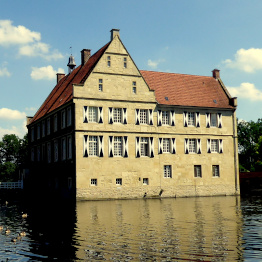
{"x":166,"y":145}
{"x":43,"y":153}
{"x":38,"y":154}
{"x":192,"y":145}
{"x":93,"y":146}
{"x":119,"y":181}
{"x":125,"y":62}
{"x":145,"y":181}
{"x":69,"y":116}
{"x":69,"y":147}
{"x":143,"y":116}
{"x":134,"y":87}
{"x":43,"y":128}
{"x":197,"y":171}
{"x":48,"y":126}
{"x":191,"y":118}
{"x":108,"y":61}
{"x":215,"y":170}
{"x":118,"y":146}
{"x":63,"y":119}
{"x":55,"y":122}
{"x":165,"y":117}
{"x":144,"y":147}
{"x":38,"y":131}
{"x":167,"y":171}
{"x":63,"y":149}
{"x":92,"y":114}
{"x":214,"y":145}
{"x":100,"y":85}
{"x":117,"y":115}
{"x":56,"y":151}
{"x":93,"y":182}
{"x":213,"y":120}
{"x":32,"y":134}
{"x":49,"y":152}
{"x":32,"y":154}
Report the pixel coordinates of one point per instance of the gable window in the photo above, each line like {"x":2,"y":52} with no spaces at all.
{"x":191,"y":119}
{"x":119,"y":181}
{"x":215,"y":170}
{"x":144,"y":146}
{"x":100,"y":85}
{"x":213,"y":120}
{"x":197,"y":171}
{"x":117,"y":115}
{"x":108,"y":61}
{"x":118,"y":146}
{"x":93,"y":182}
{"x":55,"y":122}
{"x":215,"y":146}
{"x":192,"y":146}
{"x":167,"y":171}
{"x":92,"y":114}
{"x":93,"y":146}
{"x":69,"y":116}
{"x":134,"y":87}
{"x":63,"y":119}
{"x":48,"y":126}
{"x":125,"y":62}
{"x":43,"y":128}
{"x":144,"y":116}
{"x":165,"y":117}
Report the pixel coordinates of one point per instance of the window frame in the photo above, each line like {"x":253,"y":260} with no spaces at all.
{"x":144,"y":146}
{"x":93,"y":181}
{"x":167,"y":171}
{"x":215,"y":171}
{"x":197,"y":171}
{"x":119,"y":181}
{"x":93,"y":114}
{"x":93,"y":146}
{"x":100,"y":84}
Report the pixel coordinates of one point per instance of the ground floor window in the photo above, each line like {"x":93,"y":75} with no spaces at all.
{"x":197,"y":171}
{"x":93,"y":181}
{"x":215,"y":170}
{"x":145,"y":181}
{"x":167,"y":171}
{"x":119,"y":181}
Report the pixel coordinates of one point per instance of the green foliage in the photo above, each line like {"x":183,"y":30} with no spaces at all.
{"x":13,"y":154}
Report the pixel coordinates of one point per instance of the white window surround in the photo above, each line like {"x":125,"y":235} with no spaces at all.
{"x":219,"y":143}
{"x":140,"y":142}
{"x":191,"y":119}
{"x":118,"y":146}
{"x":144,"y":116}
{"x":92,"y":114}
{"x":189,"y":143}
{"x":172,"y":145}
{"x":87,"y":146}
{"x":117,"y":115}
{"x":213,"y":120}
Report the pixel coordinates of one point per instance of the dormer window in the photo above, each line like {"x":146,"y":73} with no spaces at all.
{"x":109,"y":61}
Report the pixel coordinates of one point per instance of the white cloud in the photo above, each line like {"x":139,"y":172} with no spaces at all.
{"x":4,"y":72}
{"x":13,"y":35}
{"x":46,"y":72}
{"x":19,"y":130}
{"x":154,"y":64}
{"x":6,"y":113}
{"x":247,"y":91}
{"x":247,"y":60}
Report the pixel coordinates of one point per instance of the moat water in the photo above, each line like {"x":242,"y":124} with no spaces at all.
{"x":186,"y":229}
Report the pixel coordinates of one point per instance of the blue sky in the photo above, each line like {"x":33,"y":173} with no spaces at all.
{"x":185,"y":36}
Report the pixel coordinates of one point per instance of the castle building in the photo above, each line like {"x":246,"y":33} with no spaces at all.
{"x":111,"y":131}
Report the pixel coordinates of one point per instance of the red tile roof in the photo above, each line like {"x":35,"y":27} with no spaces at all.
{"x":63,"y":91}
{"x":186,"y":90}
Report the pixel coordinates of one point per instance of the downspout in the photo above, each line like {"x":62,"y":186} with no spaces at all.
{"x":235,"y":152}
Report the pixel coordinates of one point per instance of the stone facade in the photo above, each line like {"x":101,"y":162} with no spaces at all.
{"x":127,"y":145}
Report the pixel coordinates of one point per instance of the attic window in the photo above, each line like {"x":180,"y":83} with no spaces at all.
{"x":166,"y":98}
{"x":109,"y":61}
{"x":125,"y":63}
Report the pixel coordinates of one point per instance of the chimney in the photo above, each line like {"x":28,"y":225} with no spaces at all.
{"x":114,"y":32}
{"x":59,"y":76}
{"x":85,"y":55}
{"x":216,"y":73}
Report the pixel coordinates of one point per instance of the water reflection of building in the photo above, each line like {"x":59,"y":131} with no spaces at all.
{"x":108,"y":130}
{"x":201,"y":229}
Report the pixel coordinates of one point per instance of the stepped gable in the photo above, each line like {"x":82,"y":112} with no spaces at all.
{"x":63,"y":91}
{"x":187,"y":90}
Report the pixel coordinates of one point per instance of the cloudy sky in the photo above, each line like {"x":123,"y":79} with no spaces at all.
{"x":189,"y":37}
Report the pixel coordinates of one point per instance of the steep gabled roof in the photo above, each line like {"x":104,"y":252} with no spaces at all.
{"x":63,"y":91}
{"x":187,"y":90}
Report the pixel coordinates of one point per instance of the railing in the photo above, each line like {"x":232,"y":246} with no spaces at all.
{"x":11,"y":185}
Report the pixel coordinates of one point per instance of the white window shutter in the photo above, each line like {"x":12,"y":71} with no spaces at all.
{"x":208,"y":115}
{"x":208,"y":145}
{"x":137,"y":146}
{"x":137,"y":116}
{"x":198,"y":146}
{"x":160,"y":145}
{"x":159,"y":118}
{"x":172,"y":118}
{"x":100,"y":115}
{"x":173,"y":145}
{"x":125,"y":146}
{"x":110,"y":115}
{"x":85,"y":147}
{"x":197,"y":119}
{"x":100,"y":146}
{"x":110,"y":147}
{"x":124,"y":114}
{"x":219,"y":120}
{"x":85,"y":114}
{"x":150,"y":116}
{"x":151,"y":147}
{"x":185,"y":119}
{"x":220,"y":146}
{"x":186,"y":146}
